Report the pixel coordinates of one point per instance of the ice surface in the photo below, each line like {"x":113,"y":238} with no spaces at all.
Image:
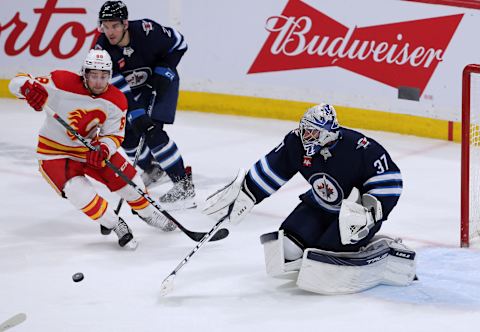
{"x":44,"y":240}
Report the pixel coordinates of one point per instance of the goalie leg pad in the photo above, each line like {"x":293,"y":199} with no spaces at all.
{"x":274,"y":251}
{"x":383,"y":261}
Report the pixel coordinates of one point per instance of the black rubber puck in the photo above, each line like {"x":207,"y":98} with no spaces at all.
{"x":77,"y":277}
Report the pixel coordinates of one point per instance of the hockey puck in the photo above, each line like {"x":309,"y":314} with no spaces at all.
{"x":77,"y":277}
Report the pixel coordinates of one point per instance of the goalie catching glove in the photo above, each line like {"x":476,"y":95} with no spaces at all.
{"x":233,"y":201}
{"x":358,"y":217}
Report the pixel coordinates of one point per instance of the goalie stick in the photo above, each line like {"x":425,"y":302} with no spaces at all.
{"x":168,"y":283}
{"x":104,"y":230}
{"x":195,"y":236}
{"x":13,"y":321}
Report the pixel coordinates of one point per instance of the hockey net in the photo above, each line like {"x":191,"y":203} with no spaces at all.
{"x":470,"y":169}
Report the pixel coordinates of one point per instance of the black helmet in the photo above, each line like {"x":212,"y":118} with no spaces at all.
{"x":113,"y":10}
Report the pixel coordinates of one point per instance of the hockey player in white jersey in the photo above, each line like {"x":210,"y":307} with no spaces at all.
{"x":96,"y":110}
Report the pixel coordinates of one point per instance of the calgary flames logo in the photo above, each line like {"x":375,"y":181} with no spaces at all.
{"x":85,"y":121}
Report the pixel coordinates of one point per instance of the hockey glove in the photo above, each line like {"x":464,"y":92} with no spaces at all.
{"x":232,"y":201}
{"x":356,"y":220}
{"x":96,"y":158}
{"x":35,"y":94}
{"x":140,"y":121}
{"x":162,"y":77}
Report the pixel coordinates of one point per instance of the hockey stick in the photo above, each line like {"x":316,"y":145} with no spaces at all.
{"x":196,"y":236}
{"x":13,"y":321}
{"x":168,"y":283}
{"x":104,"y":230}
{"x":141,"y":142}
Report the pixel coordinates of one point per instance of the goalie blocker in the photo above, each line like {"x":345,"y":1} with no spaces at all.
{"x":383,"y":261}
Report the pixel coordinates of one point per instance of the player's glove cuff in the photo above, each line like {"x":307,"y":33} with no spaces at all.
{"x":140,"y":121}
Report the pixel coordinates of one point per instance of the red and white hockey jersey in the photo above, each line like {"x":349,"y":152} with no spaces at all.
{"x":102,"y":115}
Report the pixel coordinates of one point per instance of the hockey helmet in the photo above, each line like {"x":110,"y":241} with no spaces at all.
{"x":318,"y":128}
{"x":113,"y":10}
{"x":97,"y":60}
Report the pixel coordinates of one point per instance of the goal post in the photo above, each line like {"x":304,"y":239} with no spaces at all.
{"x":470,"y":164}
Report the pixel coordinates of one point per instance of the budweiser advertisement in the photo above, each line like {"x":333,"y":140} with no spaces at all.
{"x":340,"y":51}
{"x":397,"y":54}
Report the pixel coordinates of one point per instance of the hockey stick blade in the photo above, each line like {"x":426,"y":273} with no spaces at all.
{"x":13,"y":321}
{"x":167,"y":285}
{"x":198,"y":236}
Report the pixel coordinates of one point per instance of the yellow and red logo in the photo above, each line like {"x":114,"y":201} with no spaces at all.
{"x":85,"y":121}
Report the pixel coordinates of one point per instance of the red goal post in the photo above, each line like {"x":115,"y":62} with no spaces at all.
{"x":470,"y":164}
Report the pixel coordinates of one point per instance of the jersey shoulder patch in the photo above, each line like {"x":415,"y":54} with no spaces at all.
{"x":147,"y":26}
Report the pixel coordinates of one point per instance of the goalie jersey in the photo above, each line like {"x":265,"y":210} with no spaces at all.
{"x":353,"y":161}
{"x":99,"y":117}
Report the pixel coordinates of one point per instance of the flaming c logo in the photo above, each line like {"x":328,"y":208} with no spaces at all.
{"x":396,"y":54}
{"x":84,"y":121}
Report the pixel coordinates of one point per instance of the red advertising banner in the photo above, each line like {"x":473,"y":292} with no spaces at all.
{"x":396,"y":54}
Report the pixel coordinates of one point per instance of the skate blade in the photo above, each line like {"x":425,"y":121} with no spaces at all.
{"x":184,"y":204}
{"x":131,"y":245}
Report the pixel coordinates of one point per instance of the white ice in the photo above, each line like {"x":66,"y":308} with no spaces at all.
{"x":44,"y":241}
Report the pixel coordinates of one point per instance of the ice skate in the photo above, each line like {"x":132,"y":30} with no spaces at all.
{"x":154,"y":175}
{"x":125,"y":236}
{"x":158,"y":220}
{"x":181,"y":195}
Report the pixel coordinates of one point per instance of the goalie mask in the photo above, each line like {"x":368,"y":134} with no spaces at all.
{"x":318,"y":128}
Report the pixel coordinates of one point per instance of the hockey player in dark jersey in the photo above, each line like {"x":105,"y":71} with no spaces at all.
{"x":145,"y":55}
{"x":339,"y":163}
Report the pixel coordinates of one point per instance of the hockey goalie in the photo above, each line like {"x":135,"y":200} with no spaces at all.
{"x":328,"y":242}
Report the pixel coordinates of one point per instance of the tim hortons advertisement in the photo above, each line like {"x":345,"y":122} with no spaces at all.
{"x":44,"y":34}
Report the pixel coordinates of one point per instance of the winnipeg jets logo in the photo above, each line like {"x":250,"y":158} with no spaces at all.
{"x":147,"y":27}
{"x":138,"y":77}
{"x":325,"y":152}
{"x":326,"y":188}
{"x":128,"y":51}
{"x":362,"y":143}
